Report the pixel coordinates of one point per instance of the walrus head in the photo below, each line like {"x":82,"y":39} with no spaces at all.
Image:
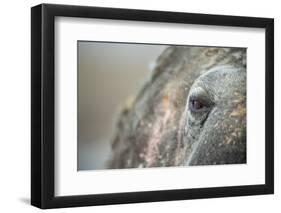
{"x":192,"y":111}
{"x":213,"y":126}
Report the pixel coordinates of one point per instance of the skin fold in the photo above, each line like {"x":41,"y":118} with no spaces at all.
{"x":191,"y":111}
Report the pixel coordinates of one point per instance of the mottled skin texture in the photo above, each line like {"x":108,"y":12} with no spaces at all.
{"x":160,"y":128}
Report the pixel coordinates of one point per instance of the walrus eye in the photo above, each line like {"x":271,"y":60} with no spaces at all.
{"x":195,"y":105}
{"x":199,"y":101}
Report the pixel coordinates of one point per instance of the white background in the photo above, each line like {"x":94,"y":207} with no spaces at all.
{"x":70,"y":182}
{"x":15,"y":107}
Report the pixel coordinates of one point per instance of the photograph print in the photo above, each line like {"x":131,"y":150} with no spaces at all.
{"x":154,"y":105}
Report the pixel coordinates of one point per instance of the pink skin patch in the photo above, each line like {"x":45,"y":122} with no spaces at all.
{"x":157,"y":133}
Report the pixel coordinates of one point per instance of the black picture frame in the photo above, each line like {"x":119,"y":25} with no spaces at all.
{"x":43,"y":102}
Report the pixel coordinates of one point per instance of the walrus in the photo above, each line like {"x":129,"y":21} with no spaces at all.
{"x":191,"y":111}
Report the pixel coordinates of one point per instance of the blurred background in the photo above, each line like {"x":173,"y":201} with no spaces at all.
{"x":108,"y":74}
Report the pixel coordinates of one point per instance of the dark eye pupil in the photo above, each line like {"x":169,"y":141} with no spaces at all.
{"x":196,"y":105}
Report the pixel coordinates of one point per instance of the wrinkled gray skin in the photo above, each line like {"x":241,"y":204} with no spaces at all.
{"x":161,"y":128}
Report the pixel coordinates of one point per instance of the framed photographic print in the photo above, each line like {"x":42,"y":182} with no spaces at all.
{"x":140,"y":106}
